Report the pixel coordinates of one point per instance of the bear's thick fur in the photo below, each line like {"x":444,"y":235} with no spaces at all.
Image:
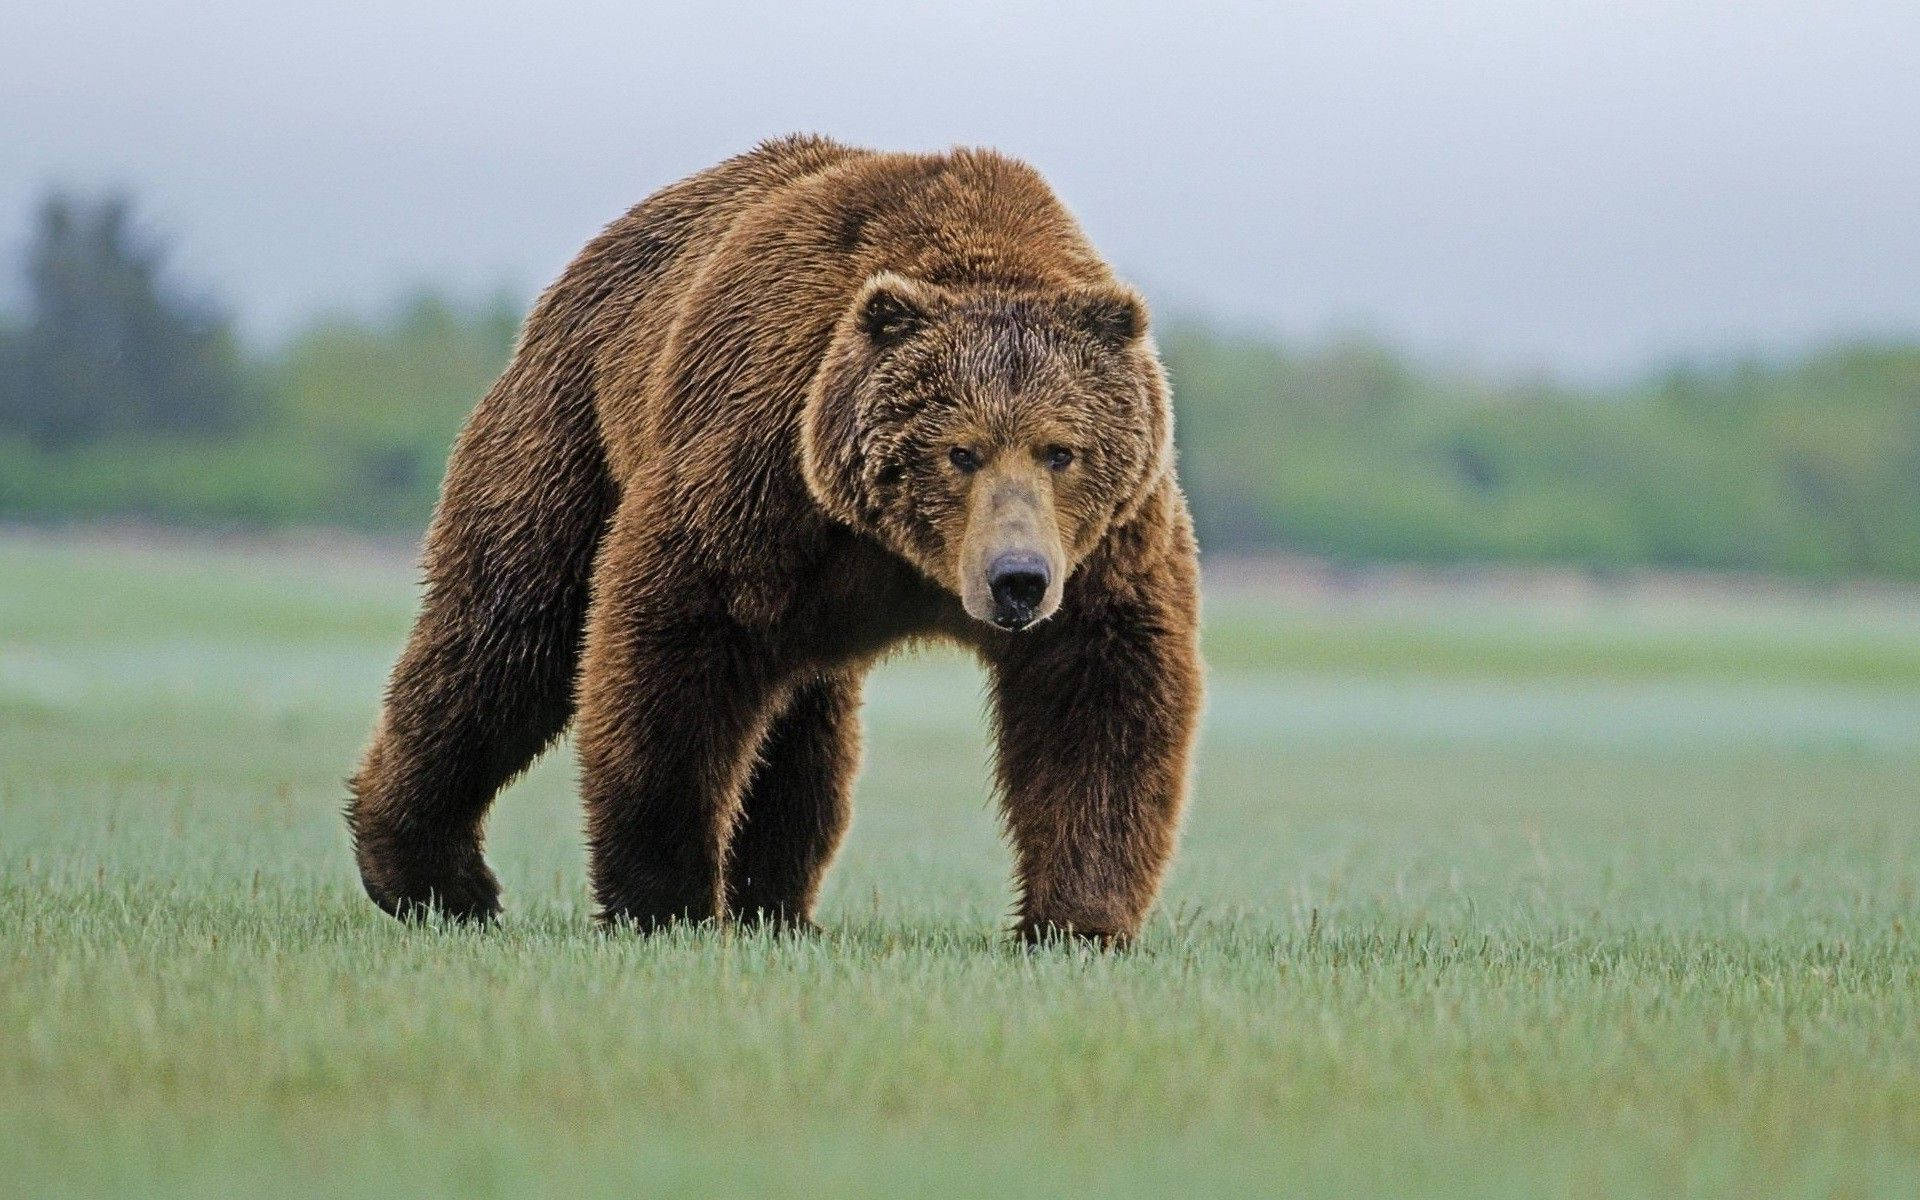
{"x":781,"y":417}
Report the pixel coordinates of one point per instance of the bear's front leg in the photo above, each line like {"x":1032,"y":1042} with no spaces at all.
{"x":1096,"y":711}
{"x":674,"y":696}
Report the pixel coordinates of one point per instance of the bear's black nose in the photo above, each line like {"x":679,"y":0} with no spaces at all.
{"x":1018,"y":581}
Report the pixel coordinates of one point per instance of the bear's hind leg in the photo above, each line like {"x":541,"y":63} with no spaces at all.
{"x":797,"y":806}
{"x":486,"y":680}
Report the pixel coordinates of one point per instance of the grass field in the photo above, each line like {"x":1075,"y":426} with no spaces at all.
{"x":1615,"y":897}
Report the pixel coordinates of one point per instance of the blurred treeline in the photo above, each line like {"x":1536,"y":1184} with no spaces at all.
{"x":1808,"y":466}
{"x":346,"y":423}
{"x":123,"y":398}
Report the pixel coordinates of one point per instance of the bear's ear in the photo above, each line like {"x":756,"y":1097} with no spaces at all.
{"x":1114,"y":314}
{"x":892,"y":308}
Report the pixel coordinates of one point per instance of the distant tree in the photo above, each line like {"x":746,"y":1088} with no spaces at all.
{"x":107,"y":345}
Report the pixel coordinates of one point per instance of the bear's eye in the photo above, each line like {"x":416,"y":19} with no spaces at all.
{"x":1059,"y":458}
{"x":964,"y":460}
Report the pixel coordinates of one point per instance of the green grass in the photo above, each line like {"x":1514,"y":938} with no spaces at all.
{"x":1549,"y":900}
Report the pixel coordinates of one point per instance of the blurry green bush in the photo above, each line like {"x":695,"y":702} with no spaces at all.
{"x":1350,"y":450}
{"x":1807,"y":467}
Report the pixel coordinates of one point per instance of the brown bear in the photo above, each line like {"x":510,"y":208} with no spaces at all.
{"x":785,"y":415}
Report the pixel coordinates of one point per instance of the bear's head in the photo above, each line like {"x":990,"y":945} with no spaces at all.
{"x":988,"y":436}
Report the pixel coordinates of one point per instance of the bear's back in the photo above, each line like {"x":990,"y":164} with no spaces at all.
{"x":713,"y":300}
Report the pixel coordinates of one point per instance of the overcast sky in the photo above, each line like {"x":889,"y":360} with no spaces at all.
{"x":1583,"y":186}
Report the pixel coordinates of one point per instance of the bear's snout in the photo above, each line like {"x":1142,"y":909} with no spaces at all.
{"x":1018,"y":583}
{"x":1012,"y":564}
